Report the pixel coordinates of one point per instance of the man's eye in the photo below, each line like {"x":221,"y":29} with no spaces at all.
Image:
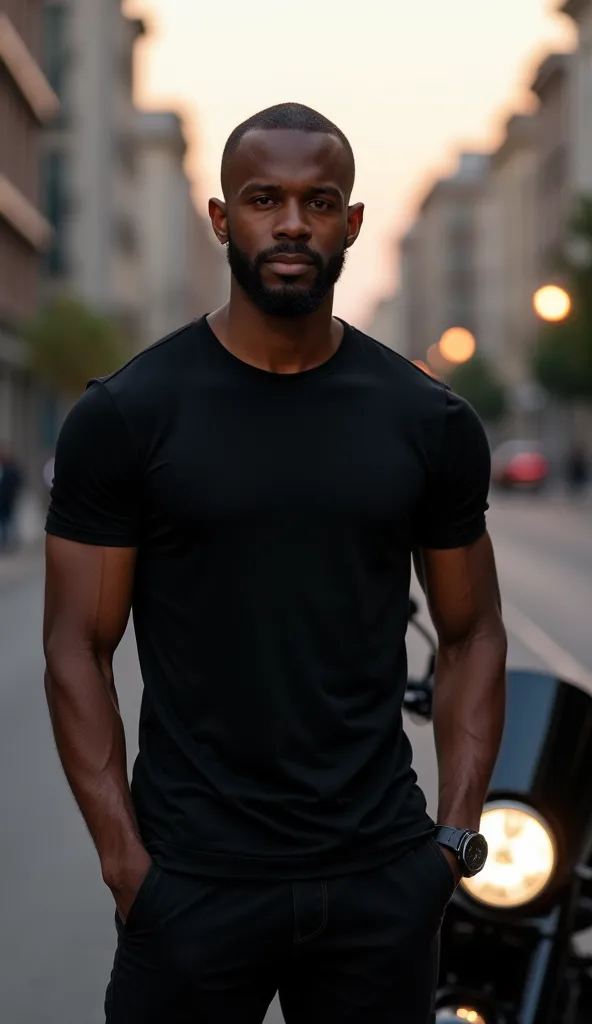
{"x":262,"y":200}
{"x":321,"y":204}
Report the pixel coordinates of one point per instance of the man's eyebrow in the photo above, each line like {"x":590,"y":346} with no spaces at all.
{"x":327,"y":190}
{"x":258,"y":186}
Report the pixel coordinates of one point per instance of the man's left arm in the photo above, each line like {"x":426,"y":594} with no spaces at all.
{"x":469,"y":692}
{"x":455,"y":565}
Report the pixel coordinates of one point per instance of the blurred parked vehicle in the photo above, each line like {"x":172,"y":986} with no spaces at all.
{"x":519,"y":465}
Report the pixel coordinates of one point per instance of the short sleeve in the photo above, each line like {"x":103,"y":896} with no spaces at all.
{"x":96,"y":486}
{"x":452,"y":512}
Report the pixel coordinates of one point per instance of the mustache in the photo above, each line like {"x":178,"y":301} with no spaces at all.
{"x":290,"y":249}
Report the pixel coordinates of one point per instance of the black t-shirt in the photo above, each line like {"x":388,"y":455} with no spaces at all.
{"x":274,"y":516}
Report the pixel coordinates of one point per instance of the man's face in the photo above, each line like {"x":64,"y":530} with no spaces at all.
{"x":286,"y":219}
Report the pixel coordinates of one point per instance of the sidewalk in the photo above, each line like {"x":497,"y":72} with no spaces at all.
{"x":24,"y":562}
{"x":29,"y":557}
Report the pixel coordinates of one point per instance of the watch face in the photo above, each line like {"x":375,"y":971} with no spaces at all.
{"x":475,"y":853}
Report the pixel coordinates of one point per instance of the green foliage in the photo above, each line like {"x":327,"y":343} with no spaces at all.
{"x":562,"y":359}
{"x":69,"y":344}
{"x":476,"y":381}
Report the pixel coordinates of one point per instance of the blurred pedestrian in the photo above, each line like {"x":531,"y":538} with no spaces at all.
{"x":48,"y":469}
{"x":577,"y":468}
{"x":255,"y":486}
{"x":11,"y":480}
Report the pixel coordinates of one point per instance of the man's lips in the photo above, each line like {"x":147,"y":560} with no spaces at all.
{"x":288,"y":265}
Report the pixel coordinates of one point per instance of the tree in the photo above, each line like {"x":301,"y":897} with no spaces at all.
{"x":562,"y":359}
{"x":477,"y":381}
{"x":69,"y":344}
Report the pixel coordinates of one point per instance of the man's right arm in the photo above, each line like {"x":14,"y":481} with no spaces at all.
{"x":87,"y":605}
{"x":93,"y":528}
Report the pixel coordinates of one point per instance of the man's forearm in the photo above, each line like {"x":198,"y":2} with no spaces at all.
{"x":90,"y":739}
{"x":468,"y":715}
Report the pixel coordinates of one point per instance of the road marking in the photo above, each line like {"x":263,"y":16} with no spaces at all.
{"x":540,"y":643}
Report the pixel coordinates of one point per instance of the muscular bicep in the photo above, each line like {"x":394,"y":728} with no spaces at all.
{"x":462,"y":589}
{"x":88,"y":595}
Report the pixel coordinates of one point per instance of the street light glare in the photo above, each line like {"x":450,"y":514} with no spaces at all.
{"x":423,"y":366}
{"x":436,"y":360}
{"x":552,"y":303}
{"x":457,"y":345}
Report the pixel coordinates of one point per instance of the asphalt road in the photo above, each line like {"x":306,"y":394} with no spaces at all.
{"x":57,"y":935}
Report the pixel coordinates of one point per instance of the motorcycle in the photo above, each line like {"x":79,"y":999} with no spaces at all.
{"x":509,"y":953}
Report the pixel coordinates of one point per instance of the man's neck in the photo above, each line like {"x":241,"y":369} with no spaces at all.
{"x":274,"y":343}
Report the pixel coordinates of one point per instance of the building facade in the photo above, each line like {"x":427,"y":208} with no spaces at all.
{"x":89,"y":160}
{"x":510,"y":278}
{"x":385,"y":324}
{"x":554,"y":187}
{"x":26,"y":102}
{"x":183,"y":270}
{"x":439,"y":258}
{"x":580,"y":97}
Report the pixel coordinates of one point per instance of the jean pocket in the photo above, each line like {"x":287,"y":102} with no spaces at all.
{"x":445,"y":869}
{"x":137,"y":908}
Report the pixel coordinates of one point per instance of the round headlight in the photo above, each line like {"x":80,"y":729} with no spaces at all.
{"x":521,"y":856}
{"x":454,"y":1016}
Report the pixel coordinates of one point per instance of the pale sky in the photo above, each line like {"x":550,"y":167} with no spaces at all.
{"x":410,"y":82}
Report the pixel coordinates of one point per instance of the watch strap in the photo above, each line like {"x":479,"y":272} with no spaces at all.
{"x":450,"y":837}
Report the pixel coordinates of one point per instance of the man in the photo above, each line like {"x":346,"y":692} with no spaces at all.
{"x":11,"y":480}
{"x":254,"y":486}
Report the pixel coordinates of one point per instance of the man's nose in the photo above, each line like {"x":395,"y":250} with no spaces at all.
{"x":292,"y":222}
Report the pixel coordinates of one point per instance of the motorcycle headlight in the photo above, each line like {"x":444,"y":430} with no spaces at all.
{"x":521,"y":856}
{"x":455,"y":1016}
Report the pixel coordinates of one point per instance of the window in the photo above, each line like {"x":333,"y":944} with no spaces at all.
{"x":554,"y":170}
{"x":55,"y":45}
{"x":460,"y":259}
{"x":460,"y":216}
{"x":126,"y":236}
{"x":126,"y":151}
{"x":54,"y":189}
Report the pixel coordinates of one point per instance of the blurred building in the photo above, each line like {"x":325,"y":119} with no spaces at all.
{"x":410,"y":312}
{"x":183,"y":270}
{"x":508,"y":275}
{"x":580,"y":88}
{"x":439,"y":258}
{"x":580,"y":156}
{"x":553,"y":191}
{"x":26,"y":102}
{"x":210,"y":269}
{"x":89,"y":159}
{"x":385,"y":325}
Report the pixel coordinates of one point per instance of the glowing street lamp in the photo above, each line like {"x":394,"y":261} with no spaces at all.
{"x":457,"y":345}
{"x":552,"y":303}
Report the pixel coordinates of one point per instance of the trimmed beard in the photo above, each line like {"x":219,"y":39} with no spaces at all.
{"x":288,"y":299}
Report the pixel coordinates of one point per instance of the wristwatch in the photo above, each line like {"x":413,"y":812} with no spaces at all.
{"x":470,"y":847}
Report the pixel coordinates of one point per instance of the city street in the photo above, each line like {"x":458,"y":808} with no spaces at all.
{"x":57,"y":917}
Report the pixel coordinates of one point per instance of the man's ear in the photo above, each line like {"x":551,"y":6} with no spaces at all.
{"x":355,"y":216}
{"x":219,"y":219}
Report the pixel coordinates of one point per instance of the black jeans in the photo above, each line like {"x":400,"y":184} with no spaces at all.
{"x":361,"y":949}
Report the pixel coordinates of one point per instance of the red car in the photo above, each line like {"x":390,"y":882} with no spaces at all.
{"x":519,"y":464}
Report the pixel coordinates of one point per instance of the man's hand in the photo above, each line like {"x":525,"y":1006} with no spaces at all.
{"x":125,"y":882}
{"x":453,"y":862}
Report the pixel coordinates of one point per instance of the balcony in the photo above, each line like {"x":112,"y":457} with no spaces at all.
{"x":26,"y":73}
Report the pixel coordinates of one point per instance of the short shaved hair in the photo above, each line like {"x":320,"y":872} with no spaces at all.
{"x":284,"y":117}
